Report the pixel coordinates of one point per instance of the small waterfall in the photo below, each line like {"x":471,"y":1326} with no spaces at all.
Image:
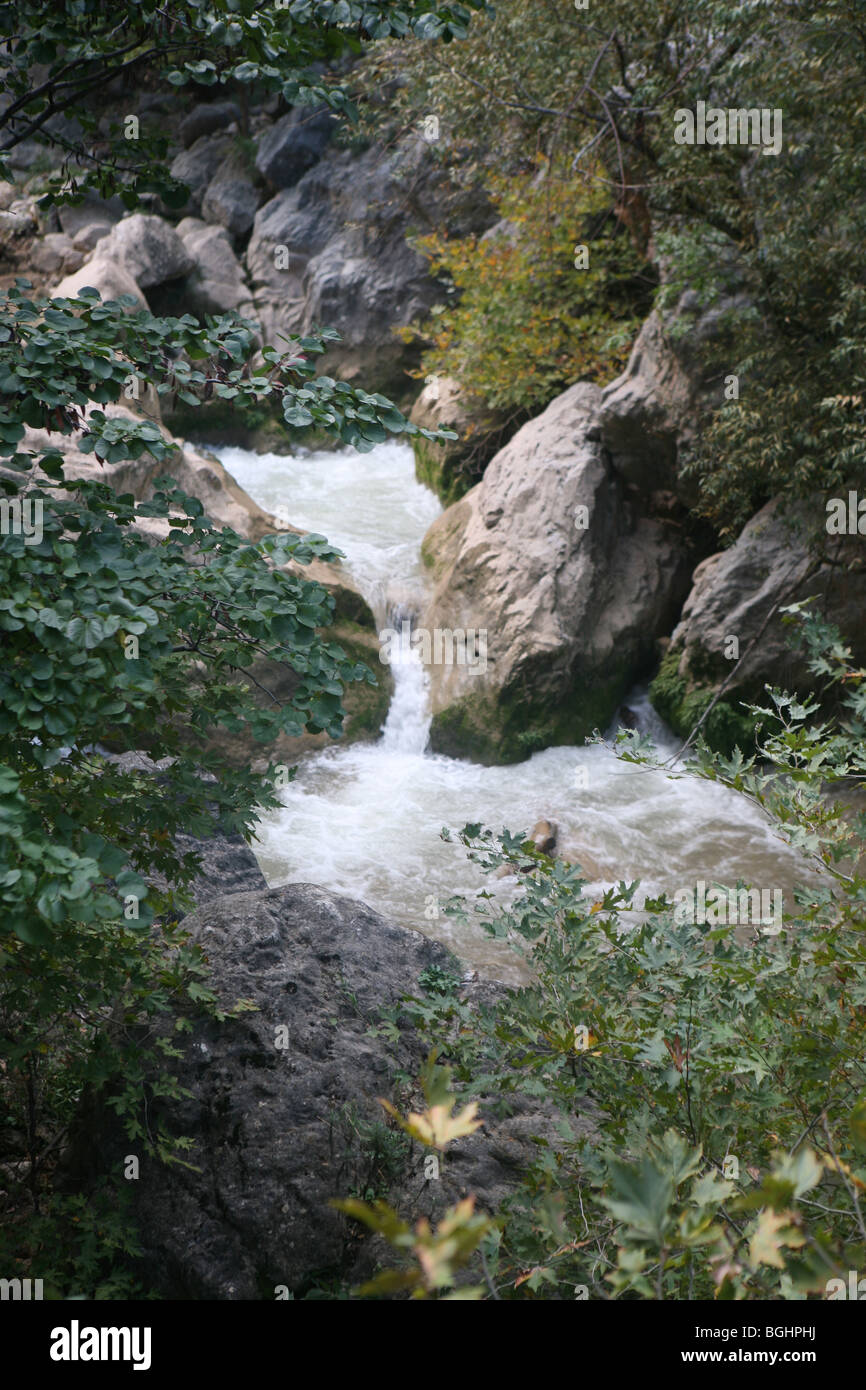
{"x":407,"y":727}
{"x":365,"y":819}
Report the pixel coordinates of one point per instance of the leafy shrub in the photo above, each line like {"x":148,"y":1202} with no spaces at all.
{"x":524,"y":322}
{"x":710,"y":1079}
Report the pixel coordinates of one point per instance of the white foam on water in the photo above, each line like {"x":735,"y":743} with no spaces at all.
{"x":365,"y":819}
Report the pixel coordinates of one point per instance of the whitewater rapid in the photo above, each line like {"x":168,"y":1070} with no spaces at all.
{"x":365,"y":819}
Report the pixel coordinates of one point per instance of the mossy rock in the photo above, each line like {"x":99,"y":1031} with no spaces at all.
{"x":366,"y":705}
{"x":494,"y":729}
{"x":681,"y":703}
{"x":439,"y":469}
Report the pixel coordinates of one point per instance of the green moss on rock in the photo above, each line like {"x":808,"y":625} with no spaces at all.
{"x":496,"y":729}
{"x":439,"y":469}
{"x":681,"y":704}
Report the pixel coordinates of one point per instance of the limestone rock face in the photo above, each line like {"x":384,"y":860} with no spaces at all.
{"x":278,"y":1097}
{"x":782,"y":555}
{"x":333,"y":250}
{"x":569,"y":582}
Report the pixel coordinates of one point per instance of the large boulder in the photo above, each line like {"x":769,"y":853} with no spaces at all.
{"x":216,"y":285}
{"x":293,"y":145}
{"x":281,"y":1102}
{"x":731,"y":630}
{"x":148,"y":249}
{"x":570,"y":583}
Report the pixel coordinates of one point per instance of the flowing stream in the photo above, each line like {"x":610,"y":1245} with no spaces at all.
{"x":365,"y":819}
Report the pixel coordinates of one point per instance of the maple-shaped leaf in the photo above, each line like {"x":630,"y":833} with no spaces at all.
{"x":436,"y":1127}
{"x":773,"y":1232}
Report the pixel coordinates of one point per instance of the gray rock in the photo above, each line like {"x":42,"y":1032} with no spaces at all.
{"x":86,"y":238}
{"x":148,"y":249}
{"x":76,"y":217}
{"x":571,"y":585}
{"x":26,"y":154}
{"x":228,"y":864}
{"x":293,"y":145}
{"x":277,"y":1128}
{"x":216,"y":285}
{"x":207,"y":118}
{"x":56,"y":252}
{"x":196,"y":166}
{"x":782,"y":555}
{"x":654,"y":408}
{"x":231,"y":197}
{"x":333,"y":250}
{"x":108,"y":276}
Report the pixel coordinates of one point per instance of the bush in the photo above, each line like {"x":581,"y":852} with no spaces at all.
{"x":523,"y":321}
{"x":709,"y":1076}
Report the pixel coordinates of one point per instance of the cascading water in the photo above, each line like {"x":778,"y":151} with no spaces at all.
{"x":365,"y":819}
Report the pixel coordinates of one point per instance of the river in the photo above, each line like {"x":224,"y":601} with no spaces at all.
{"x":365,"y":819}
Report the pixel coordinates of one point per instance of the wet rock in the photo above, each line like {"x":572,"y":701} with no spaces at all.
{"x":543,"y":836}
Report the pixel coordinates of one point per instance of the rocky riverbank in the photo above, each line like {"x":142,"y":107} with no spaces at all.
{"x":576,"y":553}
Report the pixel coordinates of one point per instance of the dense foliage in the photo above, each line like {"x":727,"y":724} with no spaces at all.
{"x":709,"y":1079}
{"x":528,"y":317}
{"x":134,"y":625}
{"x":595,"y":91}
